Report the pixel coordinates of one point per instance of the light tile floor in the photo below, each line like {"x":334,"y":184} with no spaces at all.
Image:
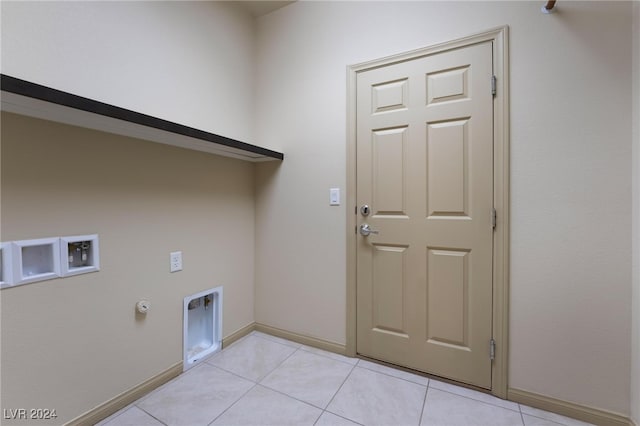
{"x":265,"y":380}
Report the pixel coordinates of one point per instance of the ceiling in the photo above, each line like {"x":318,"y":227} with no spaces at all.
{"x":260,"y":8}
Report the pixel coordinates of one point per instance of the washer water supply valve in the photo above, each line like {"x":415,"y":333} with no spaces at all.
{"x":78,"y":253}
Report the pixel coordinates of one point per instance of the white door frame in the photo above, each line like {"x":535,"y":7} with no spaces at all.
{"x":499,"y":37}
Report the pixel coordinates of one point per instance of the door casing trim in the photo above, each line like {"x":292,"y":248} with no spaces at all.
{"x":500,"y":327}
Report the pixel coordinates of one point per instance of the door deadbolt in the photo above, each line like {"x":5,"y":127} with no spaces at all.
{"x":365,"y":210}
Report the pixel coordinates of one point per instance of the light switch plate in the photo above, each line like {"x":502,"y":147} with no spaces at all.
{"x":334,"y":196}
{"x":175,"y":261}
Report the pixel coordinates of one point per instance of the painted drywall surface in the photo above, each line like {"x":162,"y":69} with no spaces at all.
{"x":570,"y":176}
{"x":187,"y":62}
{"x":635,"y":341}
{"x":74,"y":343}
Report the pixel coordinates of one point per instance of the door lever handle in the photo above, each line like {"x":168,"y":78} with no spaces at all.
{"x":365,"y":230}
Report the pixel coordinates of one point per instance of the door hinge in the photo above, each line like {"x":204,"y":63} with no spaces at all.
{"x":492,"y":349}
{"x":494,"y":218}
{"x":493,"y":85}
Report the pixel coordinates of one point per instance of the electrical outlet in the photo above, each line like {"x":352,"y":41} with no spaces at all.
{"x":175,"y":259}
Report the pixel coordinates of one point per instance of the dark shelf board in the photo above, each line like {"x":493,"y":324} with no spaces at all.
{"x":35,"y":100}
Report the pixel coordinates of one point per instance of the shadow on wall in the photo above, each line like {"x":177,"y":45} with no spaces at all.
{"x":267,"y":171}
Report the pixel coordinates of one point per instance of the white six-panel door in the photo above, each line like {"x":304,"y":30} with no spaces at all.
{"x":425,"y":169}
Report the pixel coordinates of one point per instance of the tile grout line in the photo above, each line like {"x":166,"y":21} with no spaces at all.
{"x":340,"y":387}
{"x":426,"y":390}
{"x":289,"y":396}
{"x":191,"y":371}
{"x":259,"y":379}
{"x":255,"y":383}
{"x":338,"y":415}
{"x":293,"y":397}
{"x":312,"y":352}
{"x":149,"y":414}
{"x":429,"y":385}
{"x":321,"y":353}
{"x":521,"y":415}
{"x":301,"y":348}
{"x":159,"y":389}
{"x":239,"y":398}
{"x":232,"y":373}
{"x":259,"y":382}
{"x":424,"y":403}
{"x":277,"y":366}
{"x":375,"y":372}
{"x":234,"y":403}
{"x":318,"y":419}
{"x":173,"y":380}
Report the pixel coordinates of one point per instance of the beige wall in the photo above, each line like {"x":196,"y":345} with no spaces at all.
{"x":188,"y":62}
{"x":570,"y":175}
{"x":76,"y":342}
{"x":635,"y":342}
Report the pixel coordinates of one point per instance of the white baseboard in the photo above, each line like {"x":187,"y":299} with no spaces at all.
{"x":569,"y":409}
